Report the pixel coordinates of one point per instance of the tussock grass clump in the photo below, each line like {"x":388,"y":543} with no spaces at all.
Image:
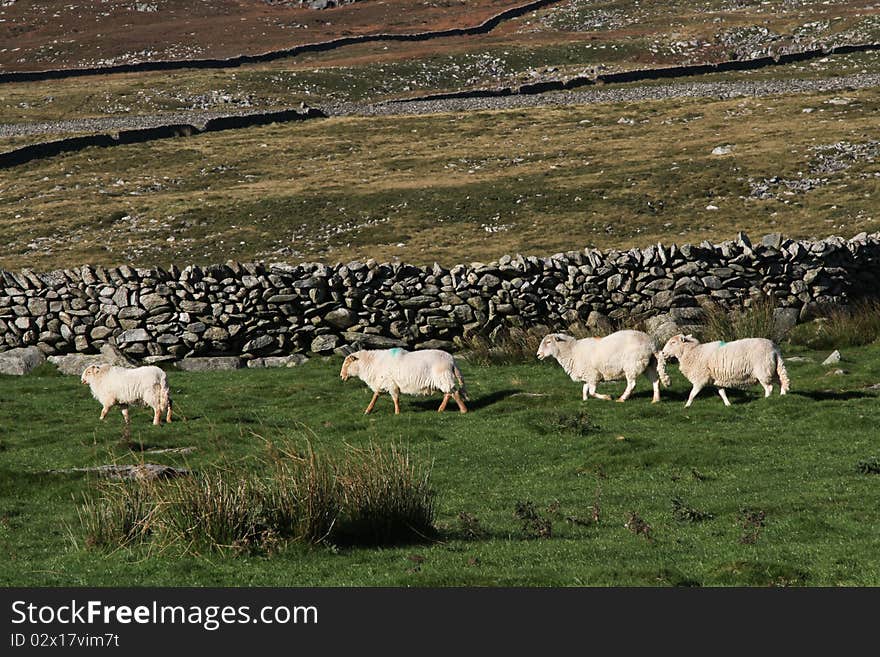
{"x":869,"y":466}
{"x":684,"y":513}
{"x":505,"y":348}
{"x":847,"y":326}
{"x":117,"y":514}
{"x":534,"y":525}
{"x":755,"y":321}
{"x":579,"y":424}
{"x":370,"y":496}
{"x":386,"y":498}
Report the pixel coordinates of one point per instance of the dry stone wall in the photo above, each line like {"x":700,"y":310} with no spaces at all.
{"x":257,"y":310}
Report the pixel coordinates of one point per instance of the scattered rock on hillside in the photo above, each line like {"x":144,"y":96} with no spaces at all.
{"x":833,"y":358}
{"x":141,"y":471}
{"x":210,"y":364}
{"x":21,"y":361}
{"x":278,"y":361}
{"x":74,"y":364}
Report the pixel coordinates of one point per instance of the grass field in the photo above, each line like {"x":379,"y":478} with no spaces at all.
{"x":767,"y":492}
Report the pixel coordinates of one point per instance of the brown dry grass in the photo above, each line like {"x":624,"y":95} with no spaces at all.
{"x":430,"y":188}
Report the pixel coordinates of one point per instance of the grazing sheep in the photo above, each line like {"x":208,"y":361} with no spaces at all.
{"x":624,"y":354}
{"x":112,"y":385}
{"x":398,"y":371}
{"x":728,"y":364}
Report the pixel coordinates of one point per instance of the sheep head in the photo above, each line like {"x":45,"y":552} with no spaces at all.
{"x":350,"y":367}
{"x":550,"y":344}
{"x":91,"y":373}
{"x":677,"y":344}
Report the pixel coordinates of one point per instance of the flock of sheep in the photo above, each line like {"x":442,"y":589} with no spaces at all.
{"x":622,"y":355}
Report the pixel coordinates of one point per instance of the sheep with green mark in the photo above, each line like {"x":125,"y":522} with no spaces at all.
{"x":734,"y":364}
{"x":397,"y":371}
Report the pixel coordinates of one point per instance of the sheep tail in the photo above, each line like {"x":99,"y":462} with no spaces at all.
{"x":782,"y":373}
{"x":661,"y":368}
{"x":461,"y":389}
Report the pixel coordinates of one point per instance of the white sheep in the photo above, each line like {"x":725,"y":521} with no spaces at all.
{"x":624,"y":354}
{"x":113,"y":385}
{"x":728,"y":364}
{"x":398,"y":371}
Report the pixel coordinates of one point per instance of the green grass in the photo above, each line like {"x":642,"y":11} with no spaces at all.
{"x":769,"y":492}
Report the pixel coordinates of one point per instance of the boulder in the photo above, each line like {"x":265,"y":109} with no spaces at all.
{"x":833,"y":358}
{"x":21,"y":360}
{"x":324,"y":343}
{"x":209,"y":364}
{"x":293,"y":360}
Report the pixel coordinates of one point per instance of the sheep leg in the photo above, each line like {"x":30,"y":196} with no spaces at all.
{"x":768,"y":389}
{"x":104,"y":412}
{"x":458,"y":400}
{"x":723,"y":393}
{"x":444,"y":402}
{"x":372,"y":403}
{"x":598,"y":395}
{"x":694,"y":392}
{"x":586,"y":392}
{"x":168,"y":413}
{"x":396,"y":397}
{"x":630,"y":384}
{"x":157,"y":415}
{"x":654,"y":378}
{"x":125,"y":415}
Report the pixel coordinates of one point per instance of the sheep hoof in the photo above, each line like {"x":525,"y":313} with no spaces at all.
{"x":655,"y":401}
{"x":620,"y":400}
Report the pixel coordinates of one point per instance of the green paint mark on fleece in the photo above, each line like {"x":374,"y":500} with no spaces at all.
{"x":395,"y":351}
{"x":721,"y":343}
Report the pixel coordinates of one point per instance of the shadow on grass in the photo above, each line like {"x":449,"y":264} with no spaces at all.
{"x":823,"y":395}
{"x":473,"y":404}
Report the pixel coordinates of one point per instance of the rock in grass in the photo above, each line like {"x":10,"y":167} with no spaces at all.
{"x":833,"y":358}
{"x":209,"y":364}
{"x":278,"y":361}
{"x":74,"y":364}
{"x":21,"y":361}
{"x":141,"y":471}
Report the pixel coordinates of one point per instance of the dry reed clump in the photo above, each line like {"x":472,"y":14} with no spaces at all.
{"x":754,"y":321}
{"x":841,"y":326}
{"x":369,"y":496}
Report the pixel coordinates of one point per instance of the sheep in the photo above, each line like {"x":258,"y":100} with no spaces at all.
{"x":113,"y":385}
{"x":398,"y":371}
{"x":728,"y":364}
{"x":624,"y":354}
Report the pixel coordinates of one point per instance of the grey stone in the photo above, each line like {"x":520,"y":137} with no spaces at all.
{"x":132,"y":335}
{"x":23,"y":360}
{"x":341,"y":318}
{"x":833,"y":358}
{"x":324,"y":343}
{"x":785,"y":319}
{"x":598,"y":323}
{"x":131,"y":312}
{"x":444,"y":345}
{"x":258,"y":343}
{"x":216,"y":334}
{"x":372,"y":341}
{"x":293,"y":360}
{"x":151,"y":301}
{"x":209,"y":363}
